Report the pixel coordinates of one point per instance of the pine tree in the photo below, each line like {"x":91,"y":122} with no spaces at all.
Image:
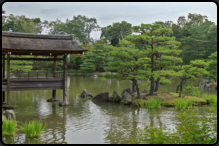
{"x":161,"y":49}
{"x":129,"y":62}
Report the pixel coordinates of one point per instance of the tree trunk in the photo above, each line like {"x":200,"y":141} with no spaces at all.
{"x":152,"y":86}
{"x":103,"y":65}
{"x":137,"y":88}
{"x":133,"y":86}
{"x":181,"y":83}
{"x":157,"y":85}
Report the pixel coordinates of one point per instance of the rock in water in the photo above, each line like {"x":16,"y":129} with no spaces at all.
{"x":85,"y":94}
{"x":115,"y":97}
{"x":126,"y":95}
{"x":8,"y":114}
{"x":101,"y":97}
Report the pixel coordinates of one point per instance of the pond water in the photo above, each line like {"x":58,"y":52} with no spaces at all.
{"x":84,"y":121}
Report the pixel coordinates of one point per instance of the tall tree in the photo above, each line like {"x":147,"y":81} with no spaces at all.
{"x":159,"y":47}
{"x":118,"y":31}
{"x":22,"y":24}
{"x":80,"y":26}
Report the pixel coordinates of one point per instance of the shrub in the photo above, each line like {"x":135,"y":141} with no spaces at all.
{"x":191,"y":91}
{"x":9,"y":127}
{"x":192,"y":130}
{"x":33,"y":129}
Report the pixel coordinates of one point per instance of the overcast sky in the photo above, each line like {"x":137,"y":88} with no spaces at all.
{"x":107,"y":13}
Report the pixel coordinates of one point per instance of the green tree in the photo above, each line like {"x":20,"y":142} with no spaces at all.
{"x":98,"y":57}
{"x":22,"y":24}
{"x":19,"y":66}
{"x":193,"y":70}
{"x":212,"y":67}
{"x":118,"y":31}
{"x":161,"y":49}
{"x":129,"y":63}
{"x":80,"y":26}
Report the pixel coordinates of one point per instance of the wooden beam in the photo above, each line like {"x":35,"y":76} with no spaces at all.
{"x":37,"y":59}
{"x":8,"y":79}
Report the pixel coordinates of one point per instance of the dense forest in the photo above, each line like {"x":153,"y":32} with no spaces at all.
{"x":187,"y":49}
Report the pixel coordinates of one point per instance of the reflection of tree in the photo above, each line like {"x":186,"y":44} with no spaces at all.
{"x":152,"y":113}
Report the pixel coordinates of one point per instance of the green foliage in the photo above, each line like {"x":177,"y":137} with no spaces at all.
{"x":211,"y":98}
{"x":33,"y":129}
{"x":98,"y":57}
{"x":9,"y":127}
{"x":160,"y":47}
{"x":153,"y":103}
{"x":80,"y":26}
{"x":181,"y":103}
{"x":197,"y":35}
{"x":116,"y":31}
{"x":191,"y":91}
{"x":212,"y":66}
{"x":21,"y":65}
{"x":22,"y":24}
{"x":192,"y":130}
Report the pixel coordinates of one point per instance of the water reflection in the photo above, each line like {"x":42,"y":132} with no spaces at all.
{"x":87,"y":122}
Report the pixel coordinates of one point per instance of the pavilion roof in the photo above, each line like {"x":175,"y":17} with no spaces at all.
{"x":39,"y":44}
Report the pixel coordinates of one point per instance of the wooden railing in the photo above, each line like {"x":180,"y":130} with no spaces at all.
{"x":48,"y":74}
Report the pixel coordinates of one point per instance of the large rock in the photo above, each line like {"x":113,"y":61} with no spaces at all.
{"x":134,"y":104}
{"x":115,"y":97}
{"x":126,"y":95}
{"x":85,"y":94}
{"x":8,"y":114}
{"x":211,"y":85}
{"x":101,"y":97}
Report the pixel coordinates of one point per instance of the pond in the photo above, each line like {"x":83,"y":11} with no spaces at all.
{"x":87,"y":122}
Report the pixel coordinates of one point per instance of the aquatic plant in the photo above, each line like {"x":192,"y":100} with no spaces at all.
{"x":182,"y":103}
{"x":141,"y":103}
{"x":9,"y":127}
{"x":153,"y":103}
{"x":210,"y":98}
{"x":191,"y":130}
{"x":33,"y":129}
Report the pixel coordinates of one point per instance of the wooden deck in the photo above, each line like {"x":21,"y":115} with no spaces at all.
{"x":21,"y":84}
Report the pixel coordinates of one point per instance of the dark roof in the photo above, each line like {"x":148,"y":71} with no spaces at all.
{"x":39,"y":44}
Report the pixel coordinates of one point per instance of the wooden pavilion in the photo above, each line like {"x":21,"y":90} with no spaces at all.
{"x":14,"y":43}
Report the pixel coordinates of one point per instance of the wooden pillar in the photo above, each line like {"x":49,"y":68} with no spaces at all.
{"x":8,"y":79}
{"x":64,"y":78}
{"x":3,"y":75}
{"x":64,"y":103}
{"x":54,"y":91}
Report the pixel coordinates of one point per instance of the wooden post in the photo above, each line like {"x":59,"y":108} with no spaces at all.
{"x":3,"y":75}
{"x":64,"y":103}
{"x":64,"y":78}
{"x":8,"y":79}
{"x":54,"y":91}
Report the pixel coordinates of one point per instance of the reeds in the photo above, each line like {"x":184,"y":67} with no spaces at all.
{"x":9,"y":127}
{"x":33,"y":129}
{"x":182,"y":103}
{"x":153,"y":103}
